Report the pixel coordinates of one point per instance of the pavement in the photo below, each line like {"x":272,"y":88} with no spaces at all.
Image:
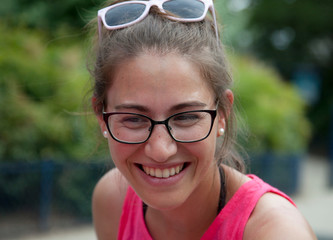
{"x":314,"y":200}
{"x":83,"y":233}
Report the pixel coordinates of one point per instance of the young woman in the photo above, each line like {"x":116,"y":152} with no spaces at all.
{"x":163,"y":103}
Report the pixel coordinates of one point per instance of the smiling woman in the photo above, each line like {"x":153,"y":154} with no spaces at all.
{"x":162,"y":100}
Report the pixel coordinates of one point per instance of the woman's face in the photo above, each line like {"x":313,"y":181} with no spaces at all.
{"x":159,"y":86}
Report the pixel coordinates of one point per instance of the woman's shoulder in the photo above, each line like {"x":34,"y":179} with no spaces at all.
{"x":107,"y":203}
{"x":274,"y":217}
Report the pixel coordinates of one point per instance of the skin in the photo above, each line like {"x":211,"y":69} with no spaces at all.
{"x":159,"y":88}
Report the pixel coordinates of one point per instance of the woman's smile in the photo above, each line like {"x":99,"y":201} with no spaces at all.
{"x":162,"y":178}
{"x":163,"y":172}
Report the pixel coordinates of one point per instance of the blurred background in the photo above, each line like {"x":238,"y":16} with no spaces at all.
{"x":51,"y":151}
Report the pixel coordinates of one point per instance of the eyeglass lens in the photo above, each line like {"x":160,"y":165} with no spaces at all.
{"x":185,"y":8}
{"x":124,"y":14}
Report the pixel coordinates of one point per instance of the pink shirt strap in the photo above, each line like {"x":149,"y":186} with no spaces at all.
{"x":231,"y":221}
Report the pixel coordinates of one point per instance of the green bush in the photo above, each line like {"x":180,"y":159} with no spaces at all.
{"x":271,"y":110}
{"x":42,"y":85}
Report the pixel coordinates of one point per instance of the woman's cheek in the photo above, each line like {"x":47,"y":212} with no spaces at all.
{"x":121,"y":153}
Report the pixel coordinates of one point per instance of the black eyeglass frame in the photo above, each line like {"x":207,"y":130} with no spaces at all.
{"x":212,"y":113}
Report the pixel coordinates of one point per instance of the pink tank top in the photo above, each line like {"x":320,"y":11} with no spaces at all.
{"x":229,"y":224}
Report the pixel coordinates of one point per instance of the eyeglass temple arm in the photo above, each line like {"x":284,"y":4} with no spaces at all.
{"x":99,"y":19}
{"x":215,"y":24}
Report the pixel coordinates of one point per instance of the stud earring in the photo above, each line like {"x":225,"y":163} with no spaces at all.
{"x":105,"y":134}
{"x":221,"y":131}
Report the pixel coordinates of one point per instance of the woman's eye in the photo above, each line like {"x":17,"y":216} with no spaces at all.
{"x":186,"y":119}
{"x":134,"y":122}
{"x":132,"y":119}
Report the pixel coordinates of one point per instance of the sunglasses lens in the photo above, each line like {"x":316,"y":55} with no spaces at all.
{"x":188,"y":9}
{"x":124,"y":14}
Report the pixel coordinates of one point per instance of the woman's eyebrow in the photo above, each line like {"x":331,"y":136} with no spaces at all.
{"x":132,"y":107}
{"x":142,"y":108}
{"x":187,"y":105}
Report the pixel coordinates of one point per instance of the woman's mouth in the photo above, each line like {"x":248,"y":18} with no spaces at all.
{"x":163,"y":173}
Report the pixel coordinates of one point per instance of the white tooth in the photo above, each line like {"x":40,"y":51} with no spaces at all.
{"x":152,"y":172}
{"x":172,"y":171}
{"x":181,"y":167}
{"x":163,"y":173}
{"x":158,"y":173}
{"x":166,"y":173}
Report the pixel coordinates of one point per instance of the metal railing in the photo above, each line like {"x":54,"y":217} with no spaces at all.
{"x":45,"y":185}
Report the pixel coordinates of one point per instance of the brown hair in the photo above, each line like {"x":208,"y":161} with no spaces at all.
{"x":156,"y":34}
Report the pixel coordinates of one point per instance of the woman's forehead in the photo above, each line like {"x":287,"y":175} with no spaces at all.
{"x":158,"y":78}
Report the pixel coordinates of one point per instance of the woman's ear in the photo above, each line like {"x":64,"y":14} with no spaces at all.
{"x":99,"y":117}
{"x":221,"y":117}
{"x":230,"y":97}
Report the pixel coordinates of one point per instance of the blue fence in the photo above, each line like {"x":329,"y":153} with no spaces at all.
{"x":48,"y":185}
{"x":281,"y":171}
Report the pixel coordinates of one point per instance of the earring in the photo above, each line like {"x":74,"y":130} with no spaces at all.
{"x":221,"y":131}
{"x":105,"y":134}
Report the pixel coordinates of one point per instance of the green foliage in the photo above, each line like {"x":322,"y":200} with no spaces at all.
{"x":272,"y":111}
{"x":292,"y":33}
{"x":305,"y":27}
{"x":41,"y":87}
{"x":49,"y":15}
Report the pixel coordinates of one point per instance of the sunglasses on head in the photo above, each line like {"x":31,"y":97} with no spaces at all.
{"x":127,"y":13}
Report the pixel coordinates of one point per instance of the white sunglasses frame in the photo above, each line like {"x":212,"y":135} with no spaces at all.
{"x":209,"y":5}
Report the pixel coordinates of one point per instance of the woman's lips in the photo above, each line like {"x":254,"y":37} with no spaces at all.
{"x":163,"y":173}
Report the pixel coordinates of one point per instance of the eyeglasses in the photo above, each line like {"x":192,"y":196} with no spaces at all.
{"x":127,"y":13}
{"x":185,"y":127}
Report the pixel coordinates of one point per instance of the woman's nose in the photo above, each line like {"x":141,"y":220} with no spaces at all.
{"x":160,"y":146}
